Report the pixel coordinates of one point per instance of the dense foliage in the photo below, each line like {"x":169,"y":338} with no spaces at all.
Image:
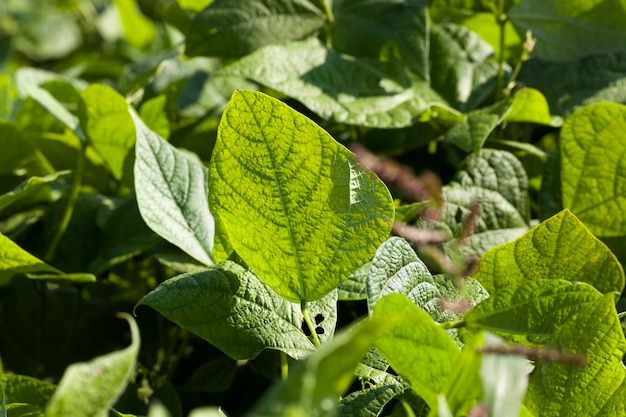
{"x":312,"y":208}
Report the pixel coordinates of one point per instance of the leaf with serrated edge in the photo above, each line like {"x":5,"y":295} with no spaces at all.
{"x":416,"y":347}
{"x":172,"y":194}
{"x":90,"y":388}
{"x":559,"y":248}
{"x":295,"y":204}
{"x":228,"y":306}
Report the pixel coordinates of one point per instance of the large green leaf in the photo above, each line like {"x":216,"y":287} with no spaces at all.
{"x":110,"y":128}
{"x":228,"y":306}
{"x":172,"y":194}
{"x":568,"y":85}
{"x":347,"y":90}
{"x":559,"y":248}
{"x":235,"y":28}
{"x":315,"y":385}
{"x":459,"y":66}
{"x":26,"y":390}
{"x":90,"y":388}
{"x":566,"y":31}
{"x":295,"y":204}
{"x":562,"y":390}
{"x":390,"y":27}
{"x":416,"y":347}
{"x":593,"y":170}
{"x":534,"y":308}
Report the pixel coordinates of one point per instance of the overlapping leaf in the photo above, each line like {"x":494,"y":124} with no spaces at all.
{"x":294,"y":203}
{"x":228,"y":306}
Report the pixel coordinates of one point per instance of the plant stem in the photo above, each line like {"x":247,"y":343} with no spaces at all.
{"x":329,"y":12}
{"x":309,"y":323}
{"x":284,"y":366}
{"x":71,"y":202}
{"x":502,"y":19}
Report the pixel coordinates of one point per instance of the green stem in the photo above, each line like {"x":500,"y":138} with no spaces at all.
{"x":407,"y":409}
{"x":284,"y":366}
{"x":501,"y":19}
{"x":71,"y":201}
{"x":453,"y":324}
{"x":329,"y":12}
{"x":309,"y":323}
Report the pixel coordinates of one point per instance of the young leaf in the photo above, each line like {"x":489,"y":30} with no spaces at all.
{"x":295,"y":204}
{"x":314,"y":386}
{"x":172,"y":194}
{"x":228,"y":306}
{"x":562,"y":390}
{"x":566,"y":33}
{"x":417,"y":348}
{"x":347,"y":90}
{"x":380,"y":27}
{"x":530,"y":106}
{"x":90,"y":388}
{"x":110,"y":128}
{"x":235,"y":28}
{"x":593,"y":172}
{"x":559,"y":248}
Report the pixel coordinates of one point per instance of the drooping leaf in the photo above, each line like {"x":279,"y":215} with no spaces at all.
{"x":557,"y":389}
{"x":32,"y":191}
{"x":274,"y":173}
{"x":417,"y":348}
{"x":172,"y":194}
{"x":559,"y":248}
{"x":383,"y":27}
{"x":565,"y":32}
{"x":459,"y":66}
{"x":347,"y":90}
{"x":90,"y":388}
{"x":471,"y":134}
{"x":15,"y":260}
{"x":593,"y":171}
{"x":228,"y":306}
{"x":315,"y":385}
{"x":110,"y":128}
{"x":235,"y":28}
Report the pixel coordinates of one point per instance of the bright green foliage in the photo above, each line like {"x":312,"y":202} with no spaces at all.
{"x":355,"y":91}
{"x":172,"y":194}
{"x":90,"y":388}
{"x":138,"y":30}
{"x":396,"y":29}
{"x":559,"y":248}
{"x":235,"y":28}
{"x":313,"y":387}
{"x":566,"y":31}
{"x":593,"y":170}
{"x":416,"y":348}
{"x":294,"y":203}
{"x":530,"y":106}
{"x":21,"y":389}
{"x":228,"y":306}
{"x":565,"y":390}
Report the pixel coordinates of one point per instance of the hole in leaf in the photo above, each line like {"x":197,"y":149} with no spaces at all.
{"x":319,"y":318}
{"x":458,"y":216}
{"x":305,"y":329}
{"x":319,"y":330}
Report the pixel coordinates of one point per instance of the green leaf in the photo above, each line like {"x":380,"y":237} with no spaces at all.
{"x":459,"y":67}
{"x":471,"y":134}
{"x":23,"y":410}
{"x":208,"y":412}
{"x":138,"y":30}
{"x":110,"y":128}
{"x":235,"y":28}
{"x":530,"y":106}
{"x":153,"y":113}
{"x":90,"y":388}
{"x":372,"y":28}
{"x":593,"y":172}
{"x":15,"y":260}
{"x":229,"y":307}
{"x":566,"y":32}
{"x":416,"y":347}
{"x":565,"y":390}
{"x":20,"y":156}
{"x":344,"y":89}
{"x":532,"y":308}
{"x":559,"y":248}
{"x":216,"y":375}
{"x":314,"y":386}
{"x":32,"y":191}
{"x":27,"y":390}
{"x":274,"y":173}
{"x":172,"y":194}
{"x":369,"y":402}
{"x":355,"y":286}
{"x":550,"y":199}
{"x":568,"y":85}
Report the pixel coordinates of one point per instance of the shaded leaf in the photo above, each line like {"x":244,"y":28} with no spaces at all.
{"x":276,"y":173}
{"x":355,"y":286}
{"x":27,"y":390}
{"x":369,"y":402}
